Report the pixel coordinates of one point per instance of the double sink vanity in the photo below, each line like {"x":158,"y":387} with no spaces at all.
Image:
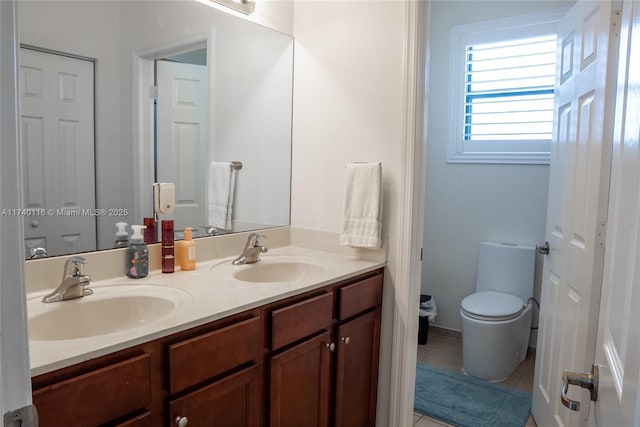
{"x":290,"y":340}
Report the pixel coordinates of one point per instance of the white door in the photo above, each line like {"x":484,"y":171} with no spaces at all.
{"x":618,"y":344}
{"x":181,"y":138}
{"x":578,"y":191}
{"x":57,"y":131}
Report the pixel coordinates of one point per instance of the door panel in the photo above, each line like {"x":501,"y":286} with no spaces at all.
{"x":299,"y":385}
{"x":356,"y":367}
{"x":57,"y":124}
{"x":617,"y":350}
{"x":578,"y":190}
{"x":182,"y":138}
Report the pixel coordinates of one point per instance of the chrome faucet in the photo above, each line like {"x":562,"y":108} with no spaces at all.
{"x":73,"y":282}
{"x":252,"y":250}
{"x":39,"y":252}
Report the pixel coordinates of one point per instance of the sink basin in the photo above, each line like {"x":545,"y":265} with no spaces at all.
{"x":277,"y":272}
{"x":272,"y":269}
{"x":110,"y":309}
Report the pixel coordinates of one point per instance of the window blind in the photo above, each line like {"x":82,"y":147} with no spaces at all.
{"x":509,"y":89}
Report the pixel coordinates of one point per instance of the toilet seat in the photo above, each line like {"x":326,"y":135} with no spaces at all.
{"x":492,"y":306}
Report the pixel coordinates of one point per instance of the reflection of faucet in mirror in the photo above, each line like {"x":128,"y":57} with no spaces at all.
{"x":209,"y":229}
{"x":252,"y":250}
{"x":37,"y":252}
{"x":73,"y":282}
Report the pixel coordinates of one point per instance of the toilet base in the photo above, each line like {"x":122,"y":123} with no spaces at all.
{"x":493,"y":350}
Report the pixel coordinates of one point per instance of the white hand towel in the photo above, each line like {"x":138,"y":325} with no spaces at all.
{"x":362,"y":207}
{"x":222,"y":181}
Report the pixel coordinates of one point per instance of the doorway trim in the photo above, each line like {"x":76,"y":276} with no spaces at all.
{"x":15,"y":390}
{"x":411,"y":221}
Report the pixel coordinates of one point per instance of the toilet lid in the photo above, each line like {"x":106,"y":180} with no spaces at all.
{"x":492,"y":305}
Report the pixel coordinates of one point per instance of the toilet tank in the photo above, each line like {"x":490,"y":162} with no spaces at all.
{"x":506,"y":267}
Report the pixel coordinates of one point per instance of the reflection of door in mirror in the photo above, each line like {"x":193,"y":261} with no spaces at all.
{"x":181,"y":133}
{"x":57,"y":131}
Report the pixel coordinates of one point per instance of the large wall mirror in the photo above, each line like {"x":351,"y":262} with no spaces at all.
{"x":117,"y":95}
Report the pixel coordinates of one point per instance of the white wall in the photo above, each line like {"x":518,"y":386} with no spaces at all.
{"x":468,"y":203}
{"x":252,"y":103}
{"x":348,"y":106}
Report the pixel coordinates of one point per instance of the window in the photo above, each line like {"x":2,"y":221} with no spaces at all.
{"x":502,"y":90}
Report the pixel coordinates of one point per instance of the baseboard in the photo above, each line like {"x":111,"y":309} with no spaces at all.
{"x":439,"y":330}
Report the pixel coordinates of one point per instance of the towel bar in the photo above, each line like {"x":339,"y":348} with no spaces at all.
{"x":236,"y":165}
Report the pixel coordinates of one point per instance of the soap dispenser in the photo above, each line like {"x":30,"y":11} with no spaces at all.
{"x":122,"y":237}
{"x":187,"y":251}
{"x":137,"y":255}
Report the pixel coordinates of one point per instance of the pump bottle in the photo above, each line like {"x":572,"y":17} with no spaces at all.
{"x":137,"y":255}
{"x":122,"y":237}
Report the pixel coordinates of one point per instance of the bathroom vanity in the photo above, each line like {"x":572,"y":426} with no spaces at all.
{"x":295,"y":355}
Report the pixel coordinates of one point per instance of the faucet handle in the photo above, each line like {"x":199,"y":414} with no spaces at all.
{"x":75,"y":262}
{"x":253,"y":239}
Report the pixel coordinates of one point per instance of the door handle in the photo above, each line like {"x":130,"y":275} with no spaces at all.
{"x":588,"y":380}
{"x":543,"y":249}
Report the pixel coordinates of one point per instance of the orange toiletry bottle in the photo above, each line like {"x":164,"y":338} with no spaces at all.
{"x":187,"y":251}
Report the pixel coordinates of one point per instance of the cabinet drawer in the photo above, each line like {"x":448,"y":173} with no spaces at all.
{"x":300,"y":320}
{"x":205,"y":356}
{"x":360,"y":296}
{"x":97,"y":397}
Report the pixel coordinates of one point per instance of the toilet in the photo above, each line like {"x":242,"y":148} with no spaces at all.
{"x":496,"y":319}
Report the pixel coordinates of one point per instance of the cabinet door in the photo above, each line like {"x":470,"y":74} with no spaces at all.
{"x":300,"y":384}
{"x":234,"y":401}
{"x":358,"y":343}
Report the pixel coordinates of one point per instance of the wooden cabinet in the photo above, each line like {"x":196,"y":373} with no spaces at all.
{"x":211,"y":372}
{"x":299,"y":384}
{"x":234,"y":401}
{"x":357,"y":371}
{"x":308,"y":360}
{"x":325,"y":373}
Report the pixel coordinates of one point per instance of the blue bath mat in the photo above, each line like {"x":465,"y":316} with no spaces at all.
{"x":469,"y":402}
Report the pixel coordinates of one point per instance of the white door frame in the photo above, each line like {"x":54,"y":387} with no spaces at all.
{"x":15,"y":387}
{"x":407,"y":254}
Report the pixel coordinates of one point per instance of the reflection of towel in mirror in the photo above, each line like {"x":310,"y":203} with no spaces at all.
{"x":362,"y":207}
{"x":222,"y":181}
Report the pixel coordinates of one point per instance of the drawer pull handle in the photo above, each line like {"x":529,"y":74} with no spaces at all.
{"x":331,"y":346}
{"x":182,"y":421}
{"x":346,"y":340}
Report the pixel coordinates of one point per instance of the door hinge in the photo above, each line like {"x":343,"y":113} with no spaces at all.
{"x":601,"y":236}
{"x":616,"y":23}
{"x":154,"y":92}
{"x":421,"y":254}
{"x":26,"y":416}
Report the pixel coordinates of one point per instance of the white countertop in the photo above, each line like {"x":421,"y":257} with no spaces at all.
{"x":208,"y":293}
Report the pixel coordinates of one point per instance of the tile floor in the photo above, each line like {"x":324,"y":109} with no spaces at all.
{"x":444,"y":350}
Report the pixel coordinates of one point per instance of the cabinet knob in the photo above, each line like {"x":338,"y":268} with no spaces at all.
{"x":331,"y":346}
{"x":182,"y":421}
{"x":346,"y":340}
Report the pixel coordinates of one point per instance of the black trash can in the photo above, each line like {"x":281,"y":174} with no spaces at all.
{"x":423,"y":325}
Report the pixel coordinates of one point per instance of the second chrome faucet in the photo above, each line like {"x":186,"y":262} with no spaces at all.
{"x":252,"y":250}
